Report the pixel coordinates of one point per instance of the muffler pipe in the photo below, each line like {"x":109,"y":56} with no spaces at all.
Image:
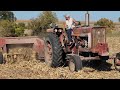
{"x":87,"y":19}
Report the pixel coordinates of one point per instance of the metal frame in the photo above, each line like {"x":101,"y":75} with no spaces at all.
{"x":38,"y":44}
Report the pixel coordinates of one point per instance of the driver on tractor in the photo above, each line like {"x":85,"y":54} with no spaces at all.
{"x":69,"y":25}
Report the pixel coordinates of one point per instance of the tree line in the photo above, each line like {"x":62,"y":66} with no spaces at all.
{"x":9,"y":27}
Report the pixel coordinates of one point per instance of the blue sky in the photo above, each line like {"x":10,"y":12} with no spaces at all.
{"x":78,"y":15}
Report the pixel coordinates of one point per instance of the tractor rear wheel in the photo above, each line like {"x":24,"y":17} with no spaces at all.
{"x":1,"y":58}
{"x":53,"y":51}
{"x":75,"y":63}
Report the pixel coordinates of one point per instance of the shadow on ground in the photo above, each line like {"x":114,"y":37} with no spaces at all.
{"x":98,"y":65}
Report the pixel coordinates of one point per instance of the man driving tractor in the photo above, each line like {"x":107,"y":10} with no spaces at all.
{"x":69,"y":25}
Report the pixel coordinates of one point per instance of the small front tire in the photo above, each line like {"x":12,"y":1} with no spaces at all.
{"x":75,"y":63}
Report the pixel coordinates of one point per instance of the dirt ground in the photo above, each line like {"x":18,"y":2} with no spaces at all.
{"x":33,"y":69}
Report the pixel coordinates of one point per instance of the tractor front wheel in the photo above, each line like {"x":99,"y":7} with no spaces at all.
{"x":75,"y":63}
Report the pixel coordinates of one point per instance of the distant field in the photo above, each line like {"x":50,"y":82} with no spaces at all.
{"x":113,"y":40}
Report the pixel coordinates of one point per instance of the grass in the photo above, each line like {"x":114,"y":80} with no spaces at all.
{"x":113,"y":41}
{"x":113,"y":34}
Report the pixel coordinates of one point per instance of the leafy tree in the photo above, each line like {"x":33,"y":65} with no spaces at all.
{"x":21,"y":25}
{"x":47,"y":17}
{"x":105,"y":22}
{"x":35,"y":25}
{"x":43,"y":21}
{"x":7,"y":28}
{"x":19,"y":29}
{"x":7,"y":15}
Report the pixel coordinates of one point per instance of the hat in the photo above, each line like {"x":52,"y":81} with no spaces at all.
{"x":67,"y":15}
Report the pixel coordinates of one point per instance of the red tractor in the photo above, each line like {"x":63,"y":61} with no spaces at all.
{"x":89,"y":43}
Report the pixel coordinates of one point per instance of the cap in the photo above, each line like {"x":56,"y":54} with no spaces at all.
{"x":67,"y":15}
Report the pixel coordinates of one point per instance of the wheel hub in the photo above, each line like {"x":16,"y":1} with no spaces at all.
{"x":71,"y":66}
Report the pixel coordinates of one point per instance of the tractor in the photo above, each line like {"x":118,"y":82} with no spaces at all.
{"x":88,"y":43}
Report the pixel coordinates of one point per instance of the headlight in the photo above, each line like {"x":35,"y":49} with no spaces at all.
{"x":60,"y":30}
{"x":98,"y":32}
{"x":55,"y":30}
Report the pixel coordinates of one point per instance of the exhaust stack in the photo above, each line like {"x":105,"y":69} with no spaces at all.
{"x":87,"y":19}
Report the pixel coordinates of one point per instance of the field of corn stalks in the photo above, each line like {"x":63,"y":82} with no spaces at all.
{"x":34,"y":69}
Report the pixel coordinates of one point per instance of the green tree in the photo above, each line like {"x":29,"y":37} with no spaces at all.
{"x":19,"y":29}
{"x":105,"y":22}
{"x":7,"y":15}
{"x":21,"y":25}
{"x":7,"y":28}
{"x":47,"y":17}
{"x":43,"y":21}
{"x":35,"y":25}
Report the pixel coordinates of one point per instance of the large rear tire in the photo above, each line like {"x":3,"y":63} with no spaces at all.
{"x":53,"y":51}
